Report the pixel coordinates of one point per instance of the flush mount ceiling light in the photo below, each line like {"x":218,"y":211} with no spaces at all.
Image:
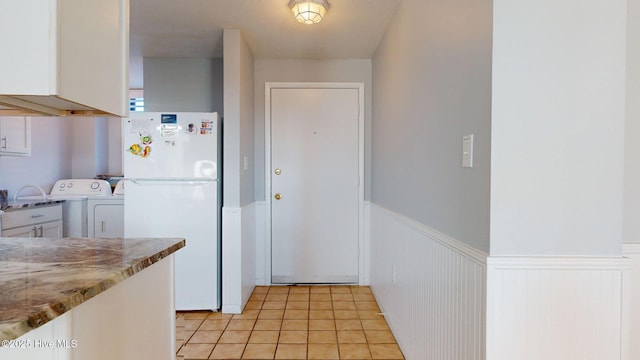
{"x":309,"y":11}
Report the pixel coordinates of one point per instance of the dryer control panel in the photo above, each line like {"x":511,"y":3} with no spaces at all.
{"x":81,"y":187}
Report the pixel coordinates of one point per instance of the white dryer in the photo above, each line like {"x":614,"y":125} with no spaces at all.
{"x":105,"y":214}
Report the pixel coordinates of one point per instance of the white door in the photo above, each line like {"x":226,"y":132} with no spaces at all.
{"x":314,"y":185}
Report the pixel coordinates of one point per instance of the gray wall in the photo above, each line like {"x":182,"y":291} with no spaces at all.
{"x":50,"y":158}
{"x":238,"y":123}
{"x":432,"y":86}
{"x":114,"y":146}
{"x":89,"y":146}
{"x":558,"y":127}
{"x":183,"y":84}
{"x":631,"y":230}
{"x":64,"y":148}
{"x":291,"y":70}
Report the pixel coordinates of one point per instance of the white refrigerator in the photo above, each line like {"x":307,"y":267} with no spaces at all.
{"x":172,"y":173}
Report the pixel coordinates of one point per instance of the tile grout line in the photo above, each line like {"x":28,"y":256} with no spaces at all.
{"x":289,"y":302}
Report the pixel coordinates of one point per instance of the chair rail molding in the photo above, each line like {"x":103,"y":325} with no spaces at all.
{"x":430,"y":287}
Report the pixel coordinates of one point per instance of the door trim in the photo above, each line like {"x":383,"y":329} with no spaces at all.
{"x":362,"y":254}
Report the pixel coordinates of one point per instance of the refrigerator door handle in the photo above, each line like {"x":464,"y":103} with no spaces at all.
{"x":170,"y":181}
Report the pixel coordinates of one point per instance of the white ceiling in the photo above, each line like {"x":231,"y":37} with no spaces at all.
{"x":193,"y":28}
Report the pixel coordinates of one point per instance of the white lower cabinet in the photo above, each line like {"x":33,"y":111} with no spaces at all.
{"x":23,"y":231}
{"x":42,"y":221}
{"x":51,"y":230}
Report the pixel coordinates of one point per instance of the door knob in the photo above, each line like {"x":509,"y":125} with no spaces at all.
{"x":278,"y":196}
{"x":278,"y":171}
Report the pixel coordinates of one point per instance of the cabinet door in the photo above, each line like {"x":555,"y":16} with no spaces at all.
{"x":108,"y":221}
{"x":50,"y":230}
{"x":15,"y":135}
{"x":23,"y":231}
{"x":82,"y":25}
{"x":40,"y":41}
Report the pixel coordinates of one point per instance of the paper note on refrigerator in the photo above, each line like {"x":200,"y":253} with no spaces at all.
{"x":140,"y":126}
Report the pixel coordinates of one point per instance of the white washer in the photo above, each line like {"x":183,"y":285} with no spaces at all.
{"x":75,"y":193}
{"x":105,"y":214}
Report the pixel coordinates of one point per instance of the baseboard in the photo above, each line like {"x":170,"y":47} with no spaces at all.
{"x":231,"y":309}
{"x":430,"y":286}
{"x":557,"y":308}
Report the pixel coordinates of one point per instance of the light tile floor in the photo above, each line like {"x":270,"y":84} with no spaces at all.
{"x":291,"y":322}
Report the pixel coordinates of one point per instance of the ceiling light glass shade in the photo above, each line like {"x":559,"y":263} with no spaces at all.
{"x":309,"y":11}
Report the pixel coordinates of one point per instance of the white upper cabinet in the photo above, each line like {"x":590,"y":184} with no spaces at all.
{"x":15,"y":135}
{"x":64,"y":57}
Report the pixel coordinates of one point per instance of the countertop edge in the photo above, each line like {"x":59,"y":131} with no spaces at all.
{"x":16,"y":329}
{"x":15,"y":206}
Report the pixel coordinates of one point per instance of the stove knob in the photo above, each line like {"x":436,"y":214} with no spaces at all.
{"x":62,"y":186}
{"x":70,"y":185}
{"x":95,"y":185}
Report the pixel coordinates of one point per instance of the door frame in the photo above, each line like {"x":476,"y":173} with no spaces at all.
{"x":362,"y":271}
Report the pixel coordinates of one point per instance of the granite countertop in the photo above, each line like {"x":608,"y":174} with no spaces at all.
{"x":42,"y":278}
{"x":11,"y":205}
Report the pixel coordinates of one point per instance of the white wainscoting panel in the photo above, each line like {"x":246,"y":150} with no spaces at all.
{"x":248,"y":252}
{"x":557,"y":308}
{"x":632,"y":251}
{"x":231,"y":260}
{"x":261,"y":243}
{"x":364,"y":256}
{"x":238,"y":256}
{"x":431,"y":288}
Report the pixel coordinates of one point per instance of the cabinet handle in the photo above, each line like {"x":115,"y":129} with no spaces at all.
{"x":36,"y":216}
{"x":35,"y":232}
{"x":41,"y":231}
{"x":103,"y":226}
{"x":4,"y":143}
